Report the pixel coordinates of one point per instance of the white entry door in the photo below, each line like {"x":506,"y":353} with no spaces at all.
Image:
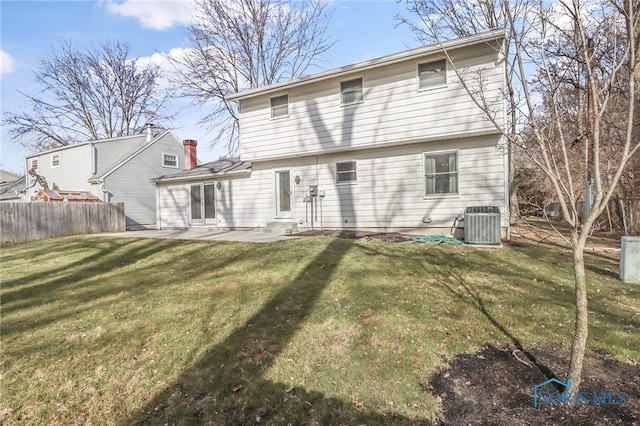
{"x":284,"y":205}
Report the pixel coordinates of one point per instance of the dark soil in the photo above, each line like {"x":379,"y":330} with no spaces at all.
{"x":493,"y":387}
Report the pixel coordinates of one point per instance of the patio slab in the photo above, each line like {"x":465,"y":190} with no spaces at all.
{"x":251,"y":236}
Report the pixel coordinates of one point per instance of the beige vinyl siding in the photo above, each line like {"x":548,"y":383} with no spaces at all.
{"x":389,"y":192}
{"x":173,"y":206}
{"x":393,"y":111}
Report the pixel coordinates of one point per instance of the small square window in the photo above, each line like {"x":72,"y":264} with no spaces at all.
{"x":346,"y":172}
{"x":170,"y":160}
{"x":441,"y":173}
{"x":55,"y":160}
{"x":351,"y":91}
{"x":280,"y":106}
{"x":432,"y":74}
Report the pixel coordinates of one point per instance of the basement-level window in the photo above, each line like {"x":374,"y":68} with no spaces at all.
{"x":432,"y":74}
{"x":441,"y":173}
{"x":280,"y":106}
{"x":170,"y":160}
{"x":351,"y":91}
{"x":346,"y":172}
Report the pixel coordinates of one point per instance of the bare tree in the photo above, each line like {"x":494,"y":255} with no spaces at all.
{"x":440,"y":20}
{"x":571,"y":66}
{"x":87,"y":94}
{"x":247,"y":44}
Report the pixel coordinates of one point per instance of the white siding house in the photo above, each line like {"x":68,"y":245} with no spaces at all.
{"x":394,"y":143}
{"x":115,"y":170}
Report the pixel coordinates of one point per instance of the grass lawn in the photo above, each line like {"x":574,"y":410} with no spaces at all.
{"x":100,"y":330}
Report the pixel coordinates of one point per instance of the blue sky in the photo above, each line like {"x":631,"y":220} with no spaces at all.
{"x":362,"y":30}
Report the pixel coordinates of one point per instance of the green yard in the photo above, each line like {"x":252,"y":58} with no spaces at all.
{"x":102,"y":330}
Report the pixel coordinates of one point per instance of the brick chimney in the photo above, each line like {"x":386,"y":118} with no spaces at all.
{"x":190,"y":154}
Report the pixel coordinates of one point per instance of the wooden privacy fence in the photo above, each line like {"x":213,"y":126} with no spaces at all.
{"x":37,"y":221}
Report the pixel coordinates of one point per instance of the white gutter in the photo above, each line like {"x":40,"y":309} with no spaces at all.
{"x":199,"y":177}
{"x":490,"y":36}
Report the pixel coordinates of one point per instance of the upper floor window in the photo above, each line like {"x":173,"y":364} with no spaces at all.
{"x":55,"y":160}
{"x":346,"y":171}
{"x":432,"y":74}
{"x":280,"y":106}
{"x":34,"y":164}
{"x":170,"y":160}
{"x":441,"y":173}
{"x":351,"y":91}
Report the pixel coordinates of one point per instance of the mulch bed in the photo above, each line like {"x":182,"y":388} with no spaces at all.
{"x":492,"y":387}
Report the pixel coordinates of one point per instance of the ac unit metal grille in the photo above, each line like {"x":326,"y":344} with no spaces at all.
{"x":482,"y":225}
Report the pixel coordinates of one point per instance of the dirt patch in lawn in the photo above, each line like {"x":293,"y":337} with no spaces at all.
{"x":495,"y":387}
{"x":387,"y":237}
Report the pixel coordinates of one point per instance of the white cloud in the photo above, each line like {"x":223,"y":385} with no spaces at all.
{"x":7,"y":64}
{"x":156,"y":15}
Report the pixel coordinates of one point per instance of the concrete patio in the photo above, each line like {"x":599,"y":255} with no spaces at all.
{"x":252,"y":236}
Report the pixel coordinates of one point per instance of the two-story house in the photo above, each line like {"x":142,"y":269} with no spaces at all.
{"x":394,"y":143}
{"x":115,"y":170}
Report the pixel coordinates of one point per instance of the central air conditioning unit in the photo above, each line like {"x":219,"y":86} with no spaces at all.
{"x":482,"y":225}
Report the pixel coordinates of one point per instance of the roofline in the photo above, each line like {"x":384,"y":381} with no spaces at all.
{"x":60,"y":148}
{"x":198,"y":177}
{"x":102,"y":177}
{"x":91,"y":142}
{"x":489,"y":36}
{"x":390,"y":144}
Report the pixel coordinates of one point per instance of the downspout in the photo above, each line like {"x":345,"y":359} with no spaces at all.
{"x":158,"y":214}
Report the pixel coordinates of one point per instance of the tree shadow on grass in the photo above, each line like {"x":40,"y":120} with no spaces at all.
{"x":228,"y":384}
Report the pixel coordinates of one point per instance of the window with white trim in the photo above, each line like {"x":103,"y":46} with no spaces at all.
{"x":170,"y":160}
{"x":441,"y":173}
{"x":55,"y":160}
{"x":432,"y":74}
{"x":34,"y":164}
{"x":346,"y":172}
{"x":351,"y":91}
{"x":280,"y":106}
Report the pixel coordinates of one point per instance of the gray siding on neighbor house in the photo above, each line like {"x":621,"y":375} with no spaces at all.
{"x":394,"y":110}
{"x":129,"y":183}
{"x":72,"y":174}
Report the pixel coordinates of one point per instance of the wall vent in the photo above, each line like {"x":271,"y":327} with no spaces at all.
{"x":482,"y":225}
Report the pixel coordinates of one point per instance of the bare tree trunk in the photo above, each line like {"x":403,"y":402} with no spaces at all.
{"x":581,"y":326}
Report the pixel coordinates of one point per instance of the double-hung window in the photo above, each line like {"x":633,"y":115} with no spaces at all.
{"x":280,"y":106}
{"x":34,"y":164}
{"x":351,"y":91}
{"x":170,"y":160}
{"x":432,"y":74}
{"x":346,"y":171}
{"x":441,"y":173}
{"x":55,"y":160}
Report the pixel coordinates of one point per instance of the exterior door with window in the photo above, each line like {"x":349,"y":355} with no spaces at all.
{"x":203,"y":205}
{"x":283,"y":194}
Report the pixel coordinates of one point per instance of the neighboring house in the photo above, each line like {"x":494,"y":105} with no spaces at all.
{"x":394,"y":143}
{"x":7,"y":177}
{"x":13,"y":191}
{"x":115,"y":170}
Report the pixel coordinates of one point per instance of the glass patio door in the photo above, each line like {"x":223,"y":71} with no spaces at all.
{"x":283,"y":194}
{"x":203,"y":205}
